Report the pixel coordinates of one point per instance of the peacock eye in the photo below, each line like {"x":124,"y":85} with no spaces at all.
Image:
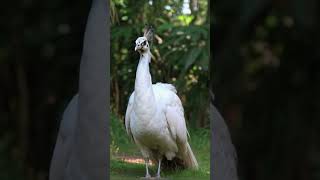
{"x":143,"y":43}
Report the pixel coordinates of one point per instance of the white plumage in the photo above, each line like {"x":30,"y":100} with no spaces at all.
{"x":155,"y":116}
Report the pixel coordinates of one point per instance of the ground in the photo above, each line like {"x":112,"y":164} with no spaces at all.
{"x":127,"y":163}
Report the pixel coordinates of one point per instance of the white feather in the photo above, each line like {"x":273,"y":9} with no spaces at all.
{"x":155,"y":117}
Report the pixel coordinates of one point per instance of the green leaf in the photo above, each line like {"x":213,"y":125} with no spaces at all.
{"x":191,"y":58}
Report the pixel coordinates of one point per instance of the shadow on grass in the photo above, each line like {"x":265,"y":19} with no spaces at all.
{"x":124,"y":170}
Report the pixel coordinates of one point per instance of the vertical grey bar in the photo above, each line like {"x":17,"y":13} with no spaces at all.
{"x":82,"y":151}
{"x":223,"y":154}
{"x":108,"y":91}
{"x":223,"y":159}
{"x":89,"y":159}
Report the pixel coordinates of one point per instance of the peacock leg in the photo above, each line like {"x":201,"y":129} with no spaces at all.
{"x":147,"y":170}
{"x":159,"y":167}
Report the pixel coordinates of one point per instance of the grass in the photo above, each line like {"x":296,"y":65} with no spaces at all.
{"x":122,"y":146}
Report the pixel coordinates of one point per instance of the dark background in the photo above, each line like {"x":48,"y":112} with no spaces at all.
{"x":40,"y":51}
{"x":266,"y":79}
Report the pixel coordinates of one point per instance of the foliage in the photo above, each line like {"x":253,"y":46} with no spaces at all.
{"x":180,"y":52}
{"x":118,"y":134}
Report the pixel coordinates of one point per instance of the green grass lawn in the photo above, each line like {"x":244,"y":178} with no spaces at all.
{"x":122,"y":146}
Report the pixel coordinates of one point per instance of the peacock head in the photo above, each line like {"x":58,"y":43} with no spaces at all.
{"x":143,"y":43}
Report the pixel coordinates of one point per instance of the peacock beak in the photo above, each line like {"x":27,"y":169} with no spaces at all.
{"x":136,"y":48}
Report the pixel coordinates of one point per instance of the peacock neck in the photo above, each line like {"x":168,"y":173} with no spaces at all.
{"x":144,"y":96}
{"x":143,"y":76}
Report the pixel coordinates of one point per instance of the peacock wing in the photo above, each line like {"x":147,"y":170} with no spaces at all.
{"x":175,"y":118}
{"x":128,"y":115}
{"x":174,"y":112}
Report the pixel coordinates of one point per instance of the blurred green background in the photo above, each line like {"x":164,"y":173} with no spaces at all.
{"x":180,"y":52}
{"x":266,"y":79}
